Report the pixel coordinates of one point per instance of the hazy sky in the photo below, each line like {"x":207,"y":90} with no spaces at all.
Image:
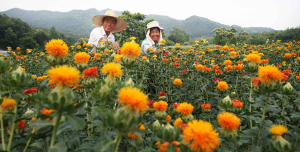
{"x":276,"y":14}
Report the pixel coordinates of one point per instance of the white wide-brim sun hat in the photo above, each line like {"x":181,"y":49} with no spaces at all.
{"x":120,"y":25}
{"x":153,"y":24}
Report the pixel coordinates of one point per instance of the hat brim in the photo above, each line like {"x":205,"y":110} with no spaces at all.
{"x":161,"y":29}
{"x":120,"y":26}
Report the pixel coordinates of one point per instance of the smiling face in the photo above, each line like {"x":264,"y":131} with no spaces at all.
{"x":155,"y":34}
{"x":109,"y":24}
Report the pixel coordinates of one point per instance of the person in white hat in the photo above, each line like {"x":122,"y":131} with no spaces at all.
{"x":106,"y":25}
{"x":153,"y":36}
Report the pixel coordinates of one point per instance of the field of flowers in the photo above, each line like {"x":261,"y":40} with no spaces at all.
{"x":228,"y":98}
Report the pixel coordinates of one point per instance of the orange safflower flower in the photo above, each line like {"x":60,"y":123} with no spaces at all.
{"x":131,"y":49}
{"x":8,"y":103}
{"x":255,"y":81}
{"x":199,"y":66}
{"x":278,"y":130}
{"x":215,"y":67}
{"x":238,"y":67}
{"x":253,"y":58}
{"x":205,"y":106}
{"x":222,"y":85}
{"x":160,"y":106}
{"x":165,"y":60}
{"x":90,"y":72}
{"x":113,"y":69}
{"x":81,"y":57}
{"x":228,"y":121}
{"x":217,"y":47}
{"x":264,"y":61}
{"x":177,"y":81}
{"x":47,"y":111}
{"x":133,"y":98}
{"x":63,"y":76}
{"x":163,"y":41}
{"x":298,"y":78}
{"x":185,"y":108}
{"x":178,"y":122}
{"x":227,"y":62}
{"x":168,"y":118}
{"x":218,"y":72}
{"x":228,"y":68}
{"x":57,"y":48}
{"x":237,"y":103}
{"x":269,"y":73}
{"x":225,"y":48}
{"x":97,"y":55}
{"x":201,"y":136}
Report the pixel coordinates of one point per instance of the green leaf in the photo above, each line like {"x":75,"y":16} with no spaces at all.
{"x":86,"y":146}
{"x":62,"y":127}
{"x":59,"y":147}
{"x":76,"y":122}
{"x":36,"y":144}
{"x":38,"y":124}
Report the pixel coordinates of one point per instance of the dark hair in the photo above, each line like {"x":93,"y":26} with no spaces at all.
{"x":154,"y":28}
{"x":110,"y":16}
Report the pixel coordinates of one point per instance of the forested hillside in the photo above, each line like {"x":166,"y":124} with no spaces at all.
{"x":79,"y":22}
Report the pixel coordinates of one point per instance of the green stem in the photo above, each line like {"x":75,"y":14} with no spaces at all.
{"x":117,"y":141}
{"x":296,"y":143}
{"x":45,"y":144}
{"x":151,"y":143}
{"x":263,"y":117}
{"x":2,"y":133}
{"x":25,"y":149}
{"x":55,"y":128}
{"x":250,"y":106}
{"x":12,"y":130}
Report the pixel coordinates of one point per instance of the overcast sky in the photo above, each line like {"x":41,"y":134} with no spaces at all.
{"x":276,"y":14}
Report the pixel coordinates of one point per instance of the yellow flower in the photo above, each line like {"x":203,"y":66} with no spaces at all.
{"x":78,"y":47}
{"x":269,"y":73}
{"x":185,"y":108}
{"x":118,"y":58}
{"x":253,"y":58}
{"x":204,"y":40}
{"x":132,"y":38}
{"x":57,"y":48}
{"x":169,"y":118}
{"x":197,"y":41}
{"x":227,"y":62}
{"x":178,"y":122}
{"x":133,"y":98}
{"x":201,"y":136}
{"x":163,"y":41}
{"x":81,"y":57}
{"x":222,"y":85}
{"x":131,"y":49}
{"x":63,"y":76}
{"x":8,"y":103}
{"x":177,"y":45}
{"x":154,"y":56}
{"x":225,"y":47}
{"x":160,"y":106}
{"x":177,"y":81}
{"x":278,"y":130}
{"x":33,"y":76}
{"x":228,"y":121}
{"x":39,"y":78}
{"x":113,"y":69}
{"x":144,"y":58}
{"x":97,"y":55}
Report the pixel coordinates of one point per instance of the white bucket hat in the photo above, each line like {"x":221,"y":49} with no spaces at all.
{"x":120,"y":25}
{"x":153,"y":24}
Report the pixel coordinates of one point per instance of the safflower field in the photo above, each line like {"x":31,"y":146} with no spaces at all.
{"x":227,"y":98}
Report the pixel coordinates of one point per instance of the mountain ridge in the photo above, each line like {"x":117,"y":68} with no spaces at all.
{"x":80,"y":23}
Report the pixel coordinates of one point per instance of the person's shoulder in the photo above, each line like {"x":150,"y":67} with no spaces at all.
{"x":97,"y":29}
{"x":144,"y":41}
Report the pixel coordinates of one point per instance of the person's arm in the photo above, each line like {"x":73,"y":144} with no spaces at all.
{"x":145,"y":48}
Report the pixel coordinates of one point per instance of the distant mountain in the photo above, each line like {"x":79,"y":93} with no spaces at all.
{"x":80,"y":23}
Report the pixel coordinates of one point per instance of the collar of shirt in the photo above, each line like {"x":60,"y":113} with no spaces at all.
{"x":104,"y":34}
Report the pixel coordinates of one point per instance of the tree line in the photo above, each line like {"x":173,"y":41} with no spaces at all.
{"x":16,"y":33}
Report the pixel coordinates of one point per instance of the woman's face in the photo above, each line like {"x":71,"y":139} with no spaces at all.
{"x":154,"y":34}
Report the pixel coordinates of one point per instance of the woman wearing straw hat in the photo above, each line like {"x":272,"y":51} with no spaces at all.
{"x":106,"y":25}
{"x":153,"y":36}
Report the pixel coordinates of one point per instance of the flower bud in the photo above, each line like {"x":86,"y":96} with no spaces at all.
{"x":90,"y":82}
{"x":226,"y":102}
{"x":61,"y":95}
{"x":160,"y":114}
{"x":82,"y":66}
{"x":187,"y":118}
{"x":156,"y":125}
{"x":162,"y":98}
{"x":169,"y":133}
{"x":129,"y":82}
{"x":29,"y":111}
{"x":126,"y":119}
{"x":229,"y":134}
{"x":288,"y":89}
{"x":233,"y":94}
{"x":280,"y":144}
{"x":3,"y":65}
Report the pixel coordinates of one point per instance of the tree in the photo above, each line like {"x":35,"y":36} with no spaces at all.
{"x":41,"y":37}
{"x":53,"y":33}
{"x":178,"y":36}
{"x":11,"y":38}
{"x":243,"y":37}
{"x":28,"y":42}
{"x":136,"y":27}
{"x":223,"y":35}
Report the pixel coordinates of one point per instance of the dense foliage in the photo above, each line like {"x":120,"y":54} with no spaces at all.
{"x":240,"y":98}
{"x":16,"y":33}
